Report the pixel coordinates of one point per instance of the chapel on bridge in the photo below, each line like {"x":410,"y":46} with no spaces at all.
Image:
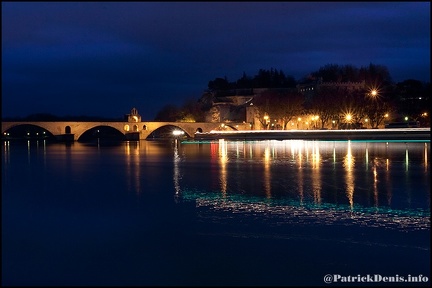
{"x":133,"y":117}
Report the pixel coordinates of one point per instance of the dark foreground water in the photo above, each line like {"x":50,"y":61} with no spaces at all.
{"x":216,"y":213}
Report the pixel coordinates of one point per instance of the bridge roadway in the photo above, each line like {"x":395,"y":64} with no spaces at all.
{"x":144,"y":129}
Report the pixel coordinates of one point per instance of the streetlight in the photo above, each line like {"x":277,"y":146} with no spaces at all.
{"x":373,"y":93}
{"x":266,"y":120}
{"x":348,"y":118}
{"x":316,"y":119}
{"x":177,"y":134}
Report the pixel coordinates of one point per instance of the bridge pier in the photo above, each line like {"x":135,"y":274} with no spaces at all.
{"x":65,"y":137}
{"x":133,"y":136}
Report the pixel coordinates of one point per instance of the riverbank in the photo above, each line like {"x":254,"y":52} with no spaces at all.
{"x":422,"y":134}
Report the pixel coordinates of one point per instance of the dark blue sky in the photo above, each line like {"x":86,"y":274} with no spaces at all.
{"x":103,"y":58}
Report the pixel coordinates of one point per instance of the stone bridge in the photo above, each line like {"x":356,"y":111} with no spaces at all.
{"x":143,"y":129}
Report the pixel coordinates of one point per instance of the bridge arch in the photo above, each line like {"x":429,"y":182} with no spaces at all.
{"x":27,"y":130}
{"x":100,"y":131}
{"x":166,"y":131}
{"x":17,"y":124}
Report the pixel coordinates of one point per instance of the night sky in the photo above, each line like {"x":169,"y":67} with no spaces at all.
{"x":103,"y":58}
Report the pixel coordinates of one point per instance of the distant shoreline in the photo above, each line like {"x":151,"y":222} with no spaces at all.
{"x":361,"y":134}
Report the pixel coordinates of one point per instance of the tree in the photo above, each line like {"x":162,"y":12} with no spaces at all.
{"x":168,"y":113}
{"x":262,"y":107}
{"x":413,"y":100}
{"x":278,"y":105}
{"x":375,"y":76}
{"x":192,"y":111}
{"x":287,"y":105}
{"x":377,"y":108}
{"x":219,"y":84}
{"x":244,"y":82}
{"x":329,"y":73}
{"x":326,"y":105}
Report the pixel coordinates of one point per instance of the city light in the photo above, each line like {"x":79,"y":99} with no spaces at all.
{"x":373,"y":92}
{"x":178,"y":132}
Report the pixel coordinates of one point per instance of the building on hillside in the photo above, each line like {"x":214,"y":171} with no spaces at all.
{"x":311,"y":87}
{"x":233,"y":105}
{"x":237,"y":106}
{"x":228,"y":106}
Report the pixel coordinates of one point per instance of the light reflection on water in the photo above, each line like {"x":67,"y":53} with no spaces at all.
{"x":164,"y":207}
{"x":290,"y":212}
{"x":356,"y":177}
{"x":132,"y":152}
{"x":316,"y":174}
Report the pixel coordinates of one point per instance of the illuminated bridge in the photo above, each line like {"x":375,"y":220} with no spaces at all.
{"x":69,"y":130}
{"x":133,"y":128}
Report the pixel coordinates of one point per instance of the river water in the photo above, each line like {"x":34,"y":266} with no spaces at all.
{"x":219,"y":212}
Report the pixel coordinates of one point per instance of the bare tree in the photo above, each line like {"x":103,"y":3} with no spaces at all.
{"x":287,"y":105}
{"x":326,"y":104}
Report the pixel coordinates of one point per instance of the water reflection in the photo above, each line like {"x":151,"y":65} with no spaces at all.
{"x":6,"y":152}
{"x":350,"y":175}
{"x":287,"y":196}
{"x":267,"y":172}
{"x":176,"y":176}
{"x":348,"y":163}
{"x":328,"y":214}
{"x":406,"y":158}
{"x":6,"y":161}
{"x":223,"y":159}
{"x":132,"y":152}
{"x":316,"y":175}
{"x":344,"y":175}
{"x":28,"y":152}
